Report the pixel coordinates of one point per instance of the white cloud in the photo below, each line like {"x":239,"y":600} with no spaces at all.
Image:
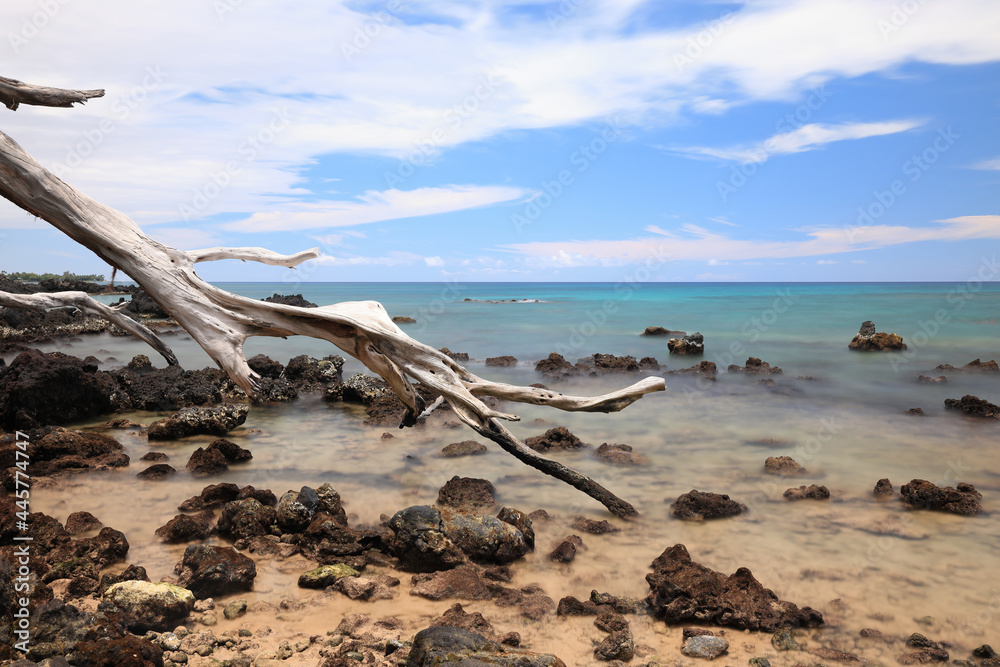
{"x":991,"y":165}
{"x":806,"y":138}
{"x":417,"y":89}
{"x":825,"y":261}
{"x":390,"y":259}
{"x":433,"y":261}
{"x":378,"y":206}
{"x":693,"y":243}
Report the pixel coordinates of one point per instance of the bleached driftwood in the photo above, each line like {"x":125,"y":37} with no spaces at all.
{"x":14,"y":93}
{"x":220,"y":321}
{"x":85,"y":303}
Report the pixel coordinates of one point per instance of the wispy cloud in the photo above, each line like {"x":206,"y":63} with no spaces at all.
{"x":378,"y":206}
{"x":806,"y":138}
{"x":991,"y":165}
{"x":694,"y":243}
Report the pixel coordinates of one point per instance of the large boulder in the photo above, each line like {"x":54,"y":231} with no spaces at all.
{"x":39,"y":388}
{"x":186,"y":528}
{"x":246,"y":517}
{"x":468,"y":494}
{"x":682,"y":591}
{"x":150,"y":606}
{"x":555,"y":438}
{"x":444,"y":645}
{"x":208,"y":571}
{"x":53,"y":449}
{"x":218,"y":420}
{"x":309,"y":374}
{"x":921,"y":494}
{"x":868,"y":340}
{"x":296,"y":509}
{"x":428,"y":539}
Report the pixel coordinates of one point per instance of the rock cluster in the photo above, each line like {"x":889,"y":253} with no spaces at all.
{"x":868,"y":340}
{"x":692,"y":344}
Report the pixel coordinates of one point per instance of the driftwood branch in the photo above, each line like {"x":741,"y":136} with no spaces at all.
{"x":87,"y":304}
{"x":221,"y":321}
{"x":14,"y":93}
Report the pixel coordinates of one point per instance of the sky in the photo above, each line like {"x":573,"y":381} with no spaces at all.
{"x":507,"y":140}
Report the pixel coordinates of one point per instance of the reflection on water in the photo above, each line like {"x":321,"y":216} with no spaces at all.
{"x":885,"y":565}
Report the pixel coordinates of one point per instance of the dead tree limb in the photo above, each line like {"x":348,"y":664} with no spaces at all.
{"x":221,"y":321}
{"x":14,"y":93}
{"x":86,"y":304}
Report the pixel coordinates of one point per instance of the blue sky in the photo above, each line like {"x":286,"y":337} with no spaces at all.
{"x":518,"y":141}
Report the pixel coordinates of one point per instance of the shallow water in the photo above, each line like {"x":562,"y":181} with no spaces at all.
{"x":846,"y":426}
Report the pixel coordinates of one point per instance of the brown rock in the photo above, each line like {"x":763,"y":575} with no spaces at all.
{"x":594,"y":527}
{"x":505,"y":360}
{"x":555,"y":438}
{"x":920,"y":493}
{"x":883,"y":487}
{"x":461,"y":582}
{"x":705,"y":369}
{"x":698,"y":506}
{"x":619,"y":455}
{"x":812,"y":492}
{"x":868,"y":340}
{"x":755,"y":366}
{"x":464,"y":448}
{"x":81,"y":522}
{"x":619,"y":645}
{"x":917,"y":412}
{"x":783,"y":465}
{"x":682,"y":591}
{"x":570,"y":606}
{"x":973,"y":406}
{"x":565,"y":551}
{"x":468,"y":494}
{"x":205,"y":462}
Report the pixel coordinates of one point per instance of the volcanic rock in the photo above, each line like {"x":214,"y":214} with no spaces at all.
{"x":190,"y":421}
{"x":464,"y":448}
{"x":868,"y":340}
{"x":921,"y":494}
{"x":755,"y":366}
{"x":813,"y":492}
{"x":468,"y":494}
{"x":621,"y":455}
{"x":698,"y":505}
{"x":973,"y":406}
{"x":442,"y":644}
{"x":296,"y":300}
{"x":209,"y":571}
{"x":555,"y":438}
{"x":783,"y":465}
{"x":693,"y":344}
{"x":505,"y":360}
{"x":147,"y":606}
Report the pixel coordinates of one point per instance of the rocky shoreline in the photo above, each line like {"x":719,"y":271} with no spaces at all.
{"x":92,"y":605}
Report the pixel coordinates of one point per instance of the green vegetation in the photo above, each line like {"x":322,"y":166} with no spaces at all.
{"x":23,"y":275}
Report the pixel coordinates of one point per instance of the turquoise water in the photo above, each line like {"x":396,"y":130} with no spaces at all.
{"x":846,"y":425}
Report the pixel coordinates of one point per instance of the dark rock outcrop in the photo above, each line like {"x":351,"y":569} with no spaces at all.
{"x":868,"y":340}
{"x":217,"y":420}
{"x":883,"y":487}
{"x":457,"y":356}
{"x":296,"y":509}
{"x":403,"y":319}
{"x":245,"y":518}
{"x":186,"y":528}
{"x":555,"y":438}
{"x":921,"y":494}
{"x":682,"y":591}
{"x":204,"y":462}
{"x":157,"y":471}
{"x":53,"y":449}
{"x":660,"y":331}
{"x":565,"y":551}
{"x":38,"y":389}
{"x":429,"y":539}
{"x":308,"y":374}
{"x":142,"y":304}
{"x":296,"y":300}
{"x":505,"y":360}
{"x":705,"y":369}
{"x":468,"y":494}
{"x":974,"y":366}
{"x":208,"y":571}
{"x":556,"y":366}
{"x":692,"y":344}
{"x":755,"y":366}
{"x":973,"y":406}
{"x":812,"y":492}
{"x":698,"y":505}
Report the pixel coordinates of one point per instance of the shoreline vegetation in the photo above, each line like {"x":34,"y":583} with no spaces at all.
{"x":93,"y":602}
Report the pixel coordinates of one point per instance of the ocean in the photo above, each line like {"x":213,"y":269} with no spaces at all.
{"x":841,"y":414}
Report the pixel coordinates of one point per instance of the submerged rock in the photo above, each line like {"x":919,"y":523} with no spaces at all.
{"x":464,"y":448}
{"x":245,"y":518}
{"x":693,"y":344}
{"x":682,"y":591}
{"x":53,"y":449}
{"x":186,"y":528}
{"x":445,"y":645}
{"x":868,"y":340}
{"x":555,"y":438}
{"x":556,"y":366}
{"x":783,"y":465}
{"x":461,"y":582}
{"x":456,"y":356}
{"x":190,"y":421}
{"x":973,"y":406}
{"x":698,"y":505}
{"x":660,"y":331}
{"x":921,"y":494}
{"x":705,"y":369}
{"x":505,"y":360}
{"x":708,"y":647}
{"x":326,"y":575}
{"x":205,"y":462}
{"x":883,"y":487}
{"x":621,"y":455}
{"x":755,"y":366}
{"x":565,"y":551}
{"x":403,"y":319}
{"x":974,"y":366}
{"x":812,"y":492}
